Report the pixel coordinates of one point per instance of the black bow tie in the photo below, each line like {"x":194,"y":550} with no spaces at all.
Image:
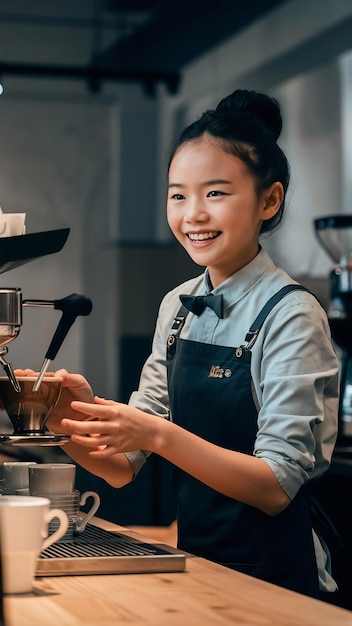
{"x":197,"y":304}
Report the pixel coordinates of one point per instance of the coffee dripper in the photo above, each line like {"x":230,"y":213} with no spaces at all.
{"x":15,"y":251}
{"x":334,"y":232}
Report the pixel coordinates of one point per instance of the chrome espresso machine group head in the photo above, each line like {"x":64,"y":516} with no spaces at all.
{"x":16,"y":251}
{"x":11,"y":304}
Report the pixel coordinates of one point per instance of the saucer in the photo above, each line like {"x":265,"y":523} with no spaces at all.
{"x":35,"y":439}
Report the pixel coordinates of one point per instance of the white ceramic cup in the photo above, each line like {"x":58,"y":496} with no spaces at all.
{"x":13,"y":476}
{"x":83,"y":518}
{"x":24,"y":524}
{"x":47,"y":479}
{"x":77,"y":519}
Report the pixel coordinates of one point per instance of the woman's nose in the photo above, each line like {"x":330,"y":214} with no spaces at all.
{"x":195,"y":211}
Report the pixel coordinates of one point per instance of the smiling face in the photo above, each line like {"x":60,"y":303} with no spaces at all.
{"x":213,"y":207}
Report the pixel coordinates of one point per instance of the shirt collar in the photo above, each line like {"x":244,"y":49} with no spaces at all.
{"x":242,"y":281}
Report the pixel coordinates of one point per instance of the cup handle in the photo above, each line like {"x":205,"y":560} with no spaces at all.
{"x":83,"y":521}
{"x":57,"y":534}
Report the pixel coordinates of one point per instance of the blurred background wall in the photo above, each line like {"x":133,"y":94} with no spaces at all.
{"x":90,"y":150}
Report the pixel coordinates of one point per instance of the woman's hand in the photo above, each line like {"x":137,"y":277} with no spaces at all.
{"x":72,"y":414}
{"x":74,"y":387}
{"x":109,"y":427}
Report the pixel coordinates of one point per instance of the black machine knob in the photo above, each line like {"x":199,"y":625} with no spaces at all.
{"x":71,"y":307}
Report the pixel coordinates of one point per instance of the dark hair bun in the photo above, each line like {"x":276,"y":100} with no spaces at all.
{"x":264,"y":108}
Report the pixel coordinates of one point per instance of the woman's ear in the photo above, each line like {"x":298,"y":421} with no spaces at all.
{"x":272,"y":199}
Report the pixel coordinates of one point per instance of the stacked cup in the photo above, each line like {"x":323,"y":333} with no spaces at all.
{"x":56,"y":481}
{"x":14,"y":477}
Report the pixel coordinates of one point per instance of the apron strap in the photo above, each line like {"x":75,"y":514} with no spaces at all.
{"x":253,"y":332}
{"x":177,"y":325}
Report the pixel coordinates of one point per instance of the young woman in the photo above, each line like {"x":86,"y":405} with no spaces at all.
{"x":240,"y":392}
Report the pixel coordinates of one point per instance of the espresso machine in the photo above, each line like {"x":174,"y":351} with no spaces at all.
{"x":14,"y":252}
{"x":334,"y":232}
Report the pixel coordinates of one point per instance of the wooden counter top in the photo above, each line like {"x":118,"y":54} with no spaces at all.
{"x":205,"y":594}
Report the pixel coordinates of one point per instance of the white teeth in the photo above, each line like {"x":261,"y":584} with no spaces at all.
{"x":202,"y":236}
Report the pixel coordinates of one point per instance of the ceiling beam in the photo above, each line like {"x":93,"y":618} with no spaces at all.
{"x":94,"y":76}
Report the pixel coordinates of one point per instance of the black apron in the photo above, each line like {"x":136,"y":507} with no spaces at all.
{"x":210,"y":395}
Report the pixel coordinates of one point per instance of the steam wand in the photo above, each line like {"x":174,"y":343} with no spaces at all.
{"x":9,"y":370}
{"x":71,"y":307}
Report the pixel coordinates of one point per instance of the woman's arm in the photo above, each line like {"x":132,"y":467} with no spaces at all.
{"x":124,"y":428}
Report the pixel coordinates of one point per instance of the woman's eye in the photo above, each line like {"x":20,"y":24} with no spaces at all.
{"x":177,"y":196}
{"x":214,"y":194}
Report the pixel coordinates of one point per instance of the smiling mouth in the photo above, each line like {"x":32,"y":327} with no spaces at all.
{"x":202,"y":236}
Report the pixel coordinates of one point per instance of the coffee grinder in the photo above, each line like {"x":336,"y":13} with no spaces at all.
{"x":334,"y":232}
{"x":14,"y":252}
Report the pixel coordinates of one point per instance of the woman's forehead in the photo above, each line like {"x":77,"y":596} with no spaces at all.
{"x":195,"y":156}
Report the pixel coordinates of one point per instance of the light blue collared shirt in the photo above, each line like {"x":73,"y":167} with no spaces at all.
{"x":294,"y":367}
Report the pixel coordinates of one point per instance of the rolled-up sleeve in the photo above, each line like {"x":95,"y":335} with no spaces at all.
{"x":298,"y":389}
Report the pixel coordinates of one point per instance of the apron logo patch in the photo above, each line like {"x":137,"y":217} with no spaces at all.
{"x":218,"y":372}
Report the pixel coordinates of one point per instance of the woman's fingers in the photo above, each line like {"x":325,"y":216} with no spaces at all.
{"x":107,"y":427}
{"x":81,"y":427}
{"x":88,"y":441}
{"x":102,"y":452}
{"x":100,"y":410}
{"x":104,"y":402}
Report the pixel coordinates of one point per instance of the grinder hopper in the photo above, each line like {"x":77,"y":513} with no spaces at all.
{"x":335,"y":235}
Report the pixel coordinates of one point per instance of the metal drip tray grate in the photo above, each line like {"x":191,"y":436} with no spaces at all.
{"x":98,"y":551}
